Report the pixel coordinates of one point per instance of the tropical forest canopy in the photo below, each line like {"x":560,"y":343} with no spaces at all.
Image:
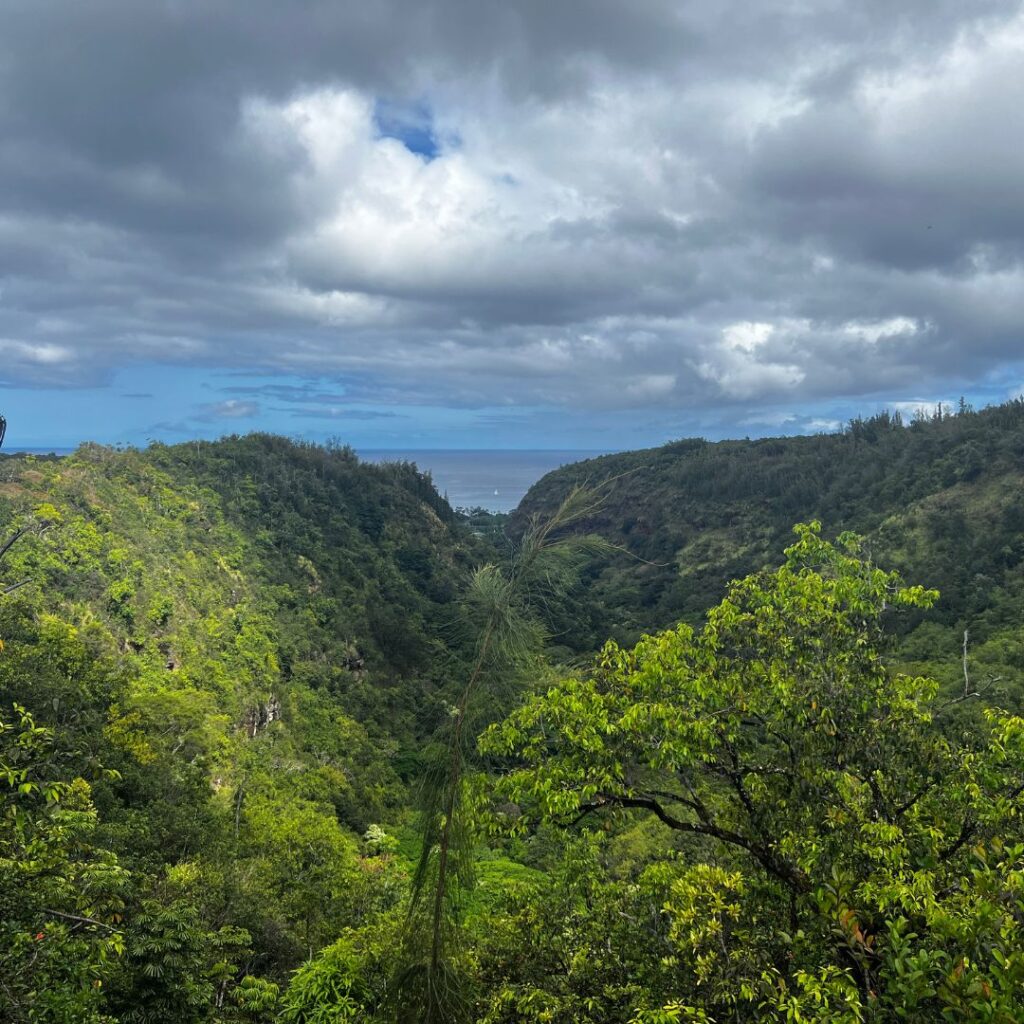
{"x":711,"y":732}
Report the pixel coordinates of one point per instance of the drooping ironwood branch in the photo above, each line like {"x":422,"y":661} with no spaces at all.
{"x":428,"y":986}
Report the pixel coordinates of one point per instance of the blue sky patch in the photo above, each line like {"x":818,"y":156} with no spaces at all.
{"x":412,"y":124}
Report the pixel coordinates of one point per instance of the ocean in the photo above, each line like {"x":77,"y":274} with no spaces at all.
{"x":495,"y":480}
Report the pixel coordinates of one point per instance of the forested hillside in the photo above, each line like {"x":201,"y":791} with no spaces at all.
{"x":940,"y":498}
{"x":238,"y":649}
{"x":284,"y":739}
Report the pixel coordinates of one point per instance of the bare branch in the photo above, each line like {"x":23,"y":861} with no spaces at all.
{"x":967,"y":678}
{"x":968,"y":693}
{"x":79,"y":920}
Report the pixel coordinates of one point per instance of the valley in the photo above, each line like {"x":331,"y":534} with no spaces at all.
{"x":231,"y":670}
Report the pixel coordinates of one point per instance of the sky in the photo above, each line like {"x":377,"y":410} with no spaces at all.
{"x":518,"y":224}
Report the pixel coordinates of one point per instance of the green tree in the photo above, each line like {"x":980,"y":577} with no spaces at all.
{"x":847,"y":860}
{"x":300,"y":872}
{"x":570,"y":945}
{"x":61,"y":896}
{"x":177,"y":968}
{"x":345,"y":981}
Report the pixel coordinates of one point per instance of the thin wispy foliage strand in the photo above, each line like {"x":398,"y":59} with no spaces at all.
{"x":501,"y":607}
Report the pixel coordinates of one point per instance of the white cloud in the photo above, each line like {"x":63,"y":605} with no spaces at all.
{"x":41,"y":353}
{"x":653,"y":207}
{"x":742,"y":365}
{"x":822,"y":425}
{"x":746,"y":337}
{"x":747,"y":379}
{"x":922,"y":406}
{"x":873,"y":332}
{"x":652,"y":385}
{"x":230,"y":409}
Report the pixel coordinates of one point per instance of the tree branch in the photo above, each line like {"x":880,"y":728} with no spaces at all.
{"x":966,"y":831}
{"x":79,"y":920}
{"x":774,"y":865}
{"x":18,"y":534}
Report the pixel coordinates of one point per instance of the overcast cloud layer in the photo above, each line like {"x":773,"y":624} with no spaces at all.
{"x":656,"y":213}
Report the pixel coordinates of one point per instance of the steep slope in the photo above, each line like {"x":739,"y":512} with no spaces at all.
{"x":253,"y":635}
{"x":941,"y":499}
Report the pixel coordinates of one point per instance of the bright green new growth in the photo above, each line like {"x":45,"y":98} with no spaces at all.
{"x":849,"y":861}
{"x":501,"y":609}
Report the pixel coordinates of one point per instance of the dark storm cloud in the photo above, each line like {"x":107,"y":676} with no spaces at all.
{"x":595,"y":203}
